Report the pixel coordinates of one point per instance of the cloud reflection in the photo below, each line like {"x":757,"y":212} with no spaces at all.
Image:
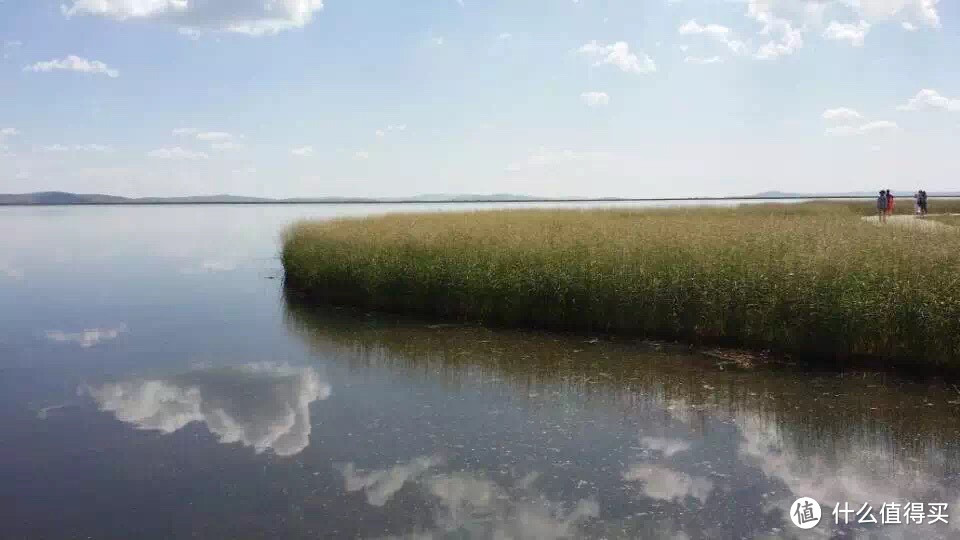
{"x":263,"y":406}
{"x":86,"y":338}
{"x":209,"y":266}
{"x":382,"y":484}
{"x":668,"y":485}
{"x":667,"y":447}
{"x":474,"y":505}
{"x":10,"y":272}
{"x":870,"y":476}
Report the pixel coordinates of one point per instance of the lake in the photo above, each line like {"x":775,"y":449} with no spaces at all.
{"x":156,"y":381}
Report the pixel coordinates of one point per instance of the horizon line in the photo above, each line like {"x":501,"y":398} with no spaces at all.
{"x":357,"y":201}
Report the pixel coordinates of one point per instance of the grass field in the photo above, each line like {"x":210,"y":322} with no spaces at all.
{"x":953,"y":220}
{"x":811,"y":279}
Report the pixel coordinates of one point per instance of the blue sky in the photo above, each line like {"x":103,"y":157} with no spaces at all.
{"x":550,"y":97}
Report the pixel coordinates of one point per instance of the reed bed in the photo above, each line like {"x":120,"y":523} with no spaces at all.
{"x":810,"y":279}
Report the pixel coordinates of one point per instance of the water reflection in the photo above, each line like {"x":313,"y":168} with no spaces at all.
{"x":473,"y":505}
{"x":705,"y":436}
{"x":263,"y":406}
{"x":209,"y":266}
{"x":660,"y":482}
{"x":9,"y":272}
{"x":86,"y":338}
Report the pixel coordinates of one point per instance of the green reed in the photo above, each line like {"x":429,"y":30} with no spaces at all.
{"x":809,"y":278}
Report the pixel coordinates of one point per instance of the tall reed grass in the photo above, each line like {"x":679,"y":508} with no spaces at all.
{"x":807,"y":278}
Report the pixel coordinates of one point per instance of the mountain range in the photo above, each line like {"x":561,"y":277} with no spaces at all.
{"x":57,"y":198}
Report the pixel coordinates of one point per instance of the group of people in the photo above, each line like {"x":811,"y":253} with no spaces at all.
{"x":886,"y":203}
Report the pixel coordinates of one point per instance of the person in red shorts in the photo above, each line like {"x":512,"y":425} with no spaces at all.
{"x":890,"y":203}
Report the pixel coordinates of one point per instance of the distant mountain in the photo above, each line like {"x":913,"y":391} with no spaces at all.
{"x":63,"y":198}
{"x":59,"y":197}
{"x":200,"y":199}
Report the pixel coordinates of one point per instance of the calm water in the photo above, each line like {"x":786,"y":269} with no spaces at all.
{"x":156,"y":382}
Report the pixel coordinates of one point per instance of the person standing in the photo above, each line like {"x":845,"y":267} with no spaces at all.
{"x":882,"y":206}
{"x":890,"y":203}
{"x":923,"y":203}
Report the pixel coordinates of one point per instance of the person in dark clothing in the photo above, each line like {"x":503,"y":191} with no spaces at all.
{"x":882,"y":206}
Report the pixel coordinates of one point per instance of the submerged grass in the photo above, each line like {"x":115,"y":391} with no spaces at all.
{"x":804,"y":278}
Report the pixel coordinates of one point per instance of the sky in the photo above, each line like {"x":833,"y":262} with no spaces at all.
{"x":596,"y":98}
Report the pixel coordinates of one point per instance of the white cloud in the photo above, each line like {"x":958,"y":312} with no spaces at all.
{"x":86,"y":338}
{"x":262,"y":406}
{"x":8,"y":132}
{"x":226,"y":146}
{"x":176,"y":153}
{"x":101,"y":148}
{"x":93,"y":148}
{"x":595,"y":99}
{"x":692,"y":27}
{"x":852,"y":33}
{"x":788,"y":20}
{"x":214,"y":136}
{"x":361,"y":154}
{"x":922,"y":11}
{"x":436,"y":41}
{"x":785,"y":39}
{"x":713,"y":31}
{"x":701,"y":60}
{"x":505,"y":36}
{"x":841,"y":113}
{"x":74,"y":63}
{"x":930,"y":100}
{"x":878,"y":125}
{"x":218,"y":140}
{"x":863,"y":129}
{"x":390,"y":129}
{"x":302,"y":151}
{"x":618,"y":54}
{"x":251,"y":17}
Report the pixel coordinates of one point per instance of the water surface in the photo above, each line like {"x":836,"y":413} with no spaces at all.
{"x":157,"y":382}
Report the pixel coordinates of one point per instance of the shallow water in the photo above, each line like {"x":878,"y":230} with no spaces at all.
{"x":157,"y":382}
